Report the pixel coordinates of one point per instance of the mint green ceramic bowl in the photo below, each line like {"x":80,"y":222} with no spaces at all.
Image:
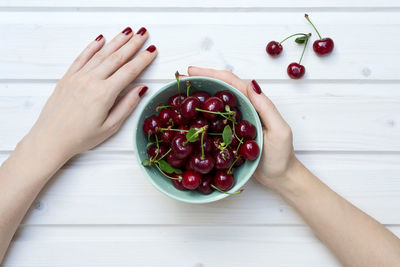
{"x":163,"y":184}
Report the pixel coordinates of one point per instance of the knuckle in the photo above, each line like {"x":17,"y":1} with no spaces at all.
{"x":117,"y":58}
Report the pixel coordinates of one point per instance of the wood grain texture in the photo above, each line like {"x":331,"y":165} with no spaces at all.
{"x":168,"y":246}
{"x":201,"y":4}
{"x":197,"y":246}
{"x":109,"y":188}
{"x":41,"y":45}
{"x":323,"y":116}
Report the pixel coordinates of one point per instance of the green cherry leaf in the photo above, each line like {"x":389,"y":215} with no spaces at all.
{"x":146,"y":162}
{"x":192,"y":135}
{"x":301,"y":40}
{"x":227,"y":135}
{"x":168,"y":168}
{"x":227,"y":108}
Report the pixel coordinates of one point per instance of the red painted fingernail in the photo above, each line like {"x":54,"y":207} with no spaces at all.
{"x":142,"y":31}
{"x":143,"y":90}
{"x":127,"y":30}
{"x":151,"y":48}
{"x":256,"y":87}
{"x":98,"y":38}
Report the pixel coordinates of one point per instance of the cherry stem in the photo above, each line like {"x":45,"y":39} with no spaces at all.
{"x":233,"y":163}
{"x":304,"y":49}
{"x":234,"y":132}
{"x":234,"y":193}
{"x":188,"y":86}
{"x":202,"y":147}
{"x":163,"y":107}
{"x":176,"y":130}
{"x":166,"y":175}
{"x":166,"y":153}
{"x":304,"y":34}
{"x":214,"y":133}
{"x":215,"y":112}
{"x":179,"y":87}
{"x":307,"y":18}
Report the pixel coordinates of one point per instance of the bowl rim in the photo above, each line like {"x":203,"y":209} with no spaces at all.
{"x":253,"y":167}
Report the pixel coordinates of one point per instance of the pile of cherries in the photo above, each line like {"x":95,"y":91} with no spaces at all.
{"x":321,"y":47}
{"x":197,"y":140}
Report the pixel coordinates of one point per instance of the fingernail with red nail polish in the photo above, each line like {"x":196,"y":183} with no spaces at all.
{"x":127,"y":30}
{"x":151,"y":48}
{"x":143,"y":90}
{"x":142,"y":31}
{"x":98,"y":38}
{"x":256,"y":87}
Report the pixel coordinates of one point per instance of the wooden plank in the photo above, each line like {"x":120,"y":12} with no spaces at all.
{"x":37,"y":49}
{"x":323,"y":116}
{"x":200,"y":4}
{"x":110,"y":188}
{"x":167,"y":246}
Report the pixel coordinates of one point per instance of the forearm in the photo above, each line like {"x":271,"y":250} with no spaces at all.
{"x":353,"y":236}
{"x":22,"y":176}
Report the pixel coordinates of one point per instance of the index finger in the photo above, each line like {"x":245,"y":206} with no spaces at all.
{"x":223,"y":75}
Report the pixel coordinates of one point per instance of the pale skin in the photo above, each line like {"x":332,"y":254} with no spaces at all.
{"x":82,"y":113}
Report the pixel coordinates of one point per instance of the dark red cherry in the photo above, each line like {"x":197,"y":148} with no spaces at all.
{"x":246,"y":130}
{"x":223,"y":159}
{"x":201,"y":95}
{"x":323,"y":46}
{"x":153,"y":150}
{"x":213,"y":104}
{"x":151,"y":125}
{"x":165,"y":117}
{"x":237,"y":115}
{"x":223,"y":180}
{"x":235,"y":142}
{"x":249,"y":150}
{"x":238,"y":162}
{"x":174,"y":161}
{"x":201,"y":121}
{"x":188,"y":166}
{"x":217,"y":125}
{"x":188,"y":107}
{"x":181,"y":149}
{"x":274,"y":48}
{"x":178,"y":183}
{"x":205,"y":185}
{"x":227,"y":97}
{"x":176,"y":100}
{"x":166,"y":136}
{"x":207,"y":145}
{"x":201,"y":165}
{"x":191,"y":179}
{"x":295,"y":70}
{"x":178,"y":119}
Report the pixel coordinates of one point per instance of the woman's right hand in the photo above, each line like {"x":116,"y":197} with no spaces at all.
{"x":278,"y":159}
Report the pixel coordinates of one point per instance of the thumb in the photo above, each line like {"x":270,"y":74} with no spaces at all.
{"x":267,"y":111}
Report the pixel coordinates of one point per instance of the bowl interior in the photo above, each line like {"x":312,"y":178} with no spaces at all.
{"x":242,"y":174}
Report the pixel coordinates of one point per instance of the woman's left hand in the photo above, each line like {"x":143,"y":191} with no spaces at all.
{"x":82,"y":112}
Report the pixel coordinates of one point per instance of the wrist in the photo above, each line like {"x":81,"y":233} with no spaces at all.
{"x":294,"y":181}
{"x":38,"y":157}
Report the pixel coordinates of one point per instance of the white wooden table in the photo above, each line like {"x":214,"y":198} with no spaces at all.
{"x":101,"y":211}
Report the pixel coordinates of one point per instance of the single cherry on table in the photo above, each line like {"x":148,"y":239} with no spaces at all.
{"x":323,"y":46}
